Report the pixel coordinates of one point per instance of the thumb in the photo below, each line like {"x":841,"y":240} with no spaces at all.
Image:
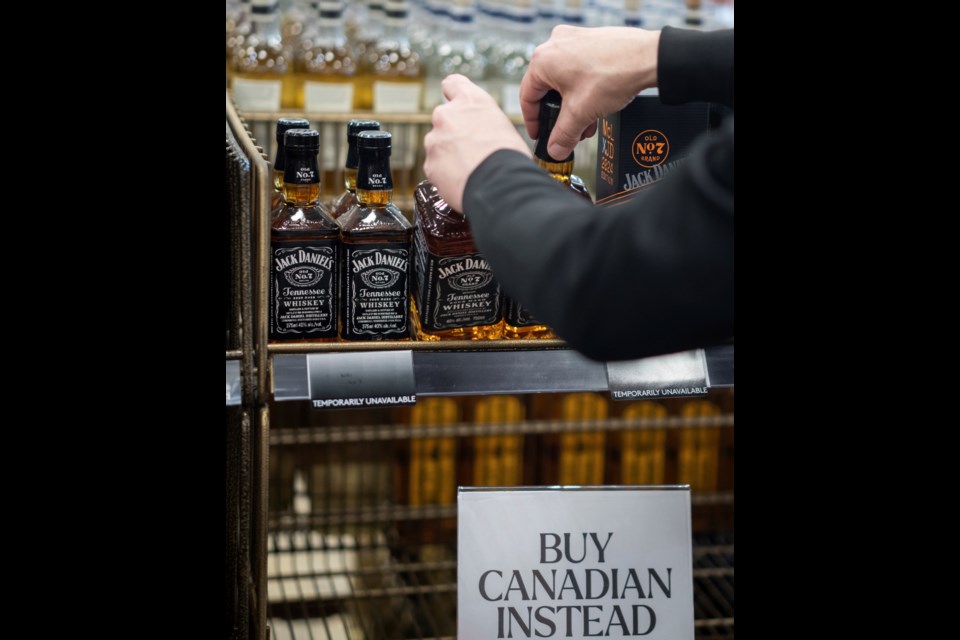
{"x":566,"y":134}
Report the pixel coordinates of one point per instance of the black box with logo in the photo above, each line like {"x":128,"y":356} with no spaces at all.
{"x":643,"y":142}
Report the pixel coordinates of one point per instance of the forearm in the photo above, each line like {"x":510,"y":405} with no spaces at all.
{"x":695,"y":66}
{"x":649,"y":277}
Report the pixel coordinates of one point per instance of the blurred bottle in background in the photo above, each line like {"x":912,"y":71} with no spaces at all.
{"x":325,"y":65}
{"x":455,"y":51}
{"x":295,"y":20}
{"x":512,"y":56}
{"x":261,"y":64}
{"x":238,"y":26}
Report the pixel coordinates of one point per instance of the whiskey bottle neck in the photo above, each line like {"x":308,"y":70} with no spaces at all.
{"x":350,"y":179}
{"x":374,"y":198}
{"x":301,"y":195}
{"x":330,"y":29}
{"x":559,"y":171}
{"x":264,"y":21}
{"x":301,"y":178}
{"x":374,"y":184}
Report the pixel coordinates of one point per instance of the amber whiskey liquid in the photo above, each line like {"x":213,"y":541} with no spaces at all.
{"x":304,"y":247}
{"x":325,"y":66}
{"x":376,"y":251}
{"x":455,"y":296}
{"x":261,"y":65}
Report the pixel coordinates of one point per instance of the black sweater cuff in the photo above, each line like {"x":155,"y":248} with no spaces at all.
{"x":695,"y":66}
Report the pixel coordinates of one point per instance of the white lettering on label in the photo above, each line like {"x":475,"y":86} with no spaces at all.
{"x":379,"y":259}
{"x":302,"y":257}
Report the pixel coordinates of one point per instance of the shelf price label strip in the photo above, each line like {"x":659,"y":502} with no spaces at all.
{"x":670,"y":376}
{"x":361,"y":379}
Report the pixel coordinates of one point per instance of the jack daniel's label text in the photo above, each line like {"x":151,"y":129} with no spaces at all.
{"x":303,"y":290}
{"x":376,"y":291}
{"x":454,"y":291}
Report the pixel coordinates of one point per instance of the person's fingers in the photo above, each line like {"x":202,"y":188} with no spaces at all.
{"x":589,"y":131}
{"x":456,"y":85}
{"x":532,"y":90}
{"x":566,"y":133}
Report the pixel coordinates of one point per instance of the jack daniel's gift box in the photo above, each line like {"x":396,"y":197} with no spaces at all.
{"x":642,"y":143}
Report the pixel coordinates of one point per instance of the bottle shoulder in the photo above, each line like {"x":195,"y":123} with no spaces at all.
{"x":291,"y":219}
{"x":445,"y":230}
{"x":364,"y":220}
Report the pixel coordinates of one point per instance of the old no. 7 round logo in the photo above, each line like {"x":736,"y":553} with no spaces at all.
{"x":650,"y":148}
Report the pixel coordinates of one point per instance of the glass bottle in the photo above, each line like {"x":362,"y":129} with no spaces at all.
{"x":375,"y":245}
{"x":348,"y":198}
{"x":456,"y":296}
{"x":325,"y":65}
{"x":456,"y":53}
{"x":304,"y":243}
{"x":262,"y":63}
{"x":397,"y":87}
{"x":279,"y":161}
{"x":512,"y":56}
{"x":632,"y":15}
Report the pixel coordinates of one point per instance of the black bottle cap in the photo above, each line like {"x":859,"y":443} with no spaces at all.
{"x":380,"y":140}
{"x":549,"y":112}
{"x":307,"y":139}
{"x":356,"y":126}
{"x":285,"y":124}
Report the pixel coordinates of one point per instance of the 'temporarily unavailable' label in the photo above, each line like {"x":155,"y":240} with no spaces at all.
{"x":669,"y":376}
{"x":361,"y":379}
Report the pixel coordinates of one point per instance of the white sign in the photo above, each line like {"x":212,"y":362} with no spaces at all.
{"x":328,"y":97}
{"x":583,"y":562}
{"x":257,"y":95}
{"x":396,"y":97}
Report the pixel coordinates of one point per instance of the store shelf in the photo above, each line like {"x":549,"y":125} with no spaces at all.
{"x":350,"y":586}
{"x":440,"y":369}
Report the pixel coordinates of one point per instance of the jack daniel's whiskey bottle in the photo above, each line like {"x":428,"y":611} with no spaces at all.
{"x":349,"y":197}
{"x":279,"y":162}
{"x":303,"y":250}
{"x":455,"y":296}
{"x":518,"y":322}
{"x":376,"y":250}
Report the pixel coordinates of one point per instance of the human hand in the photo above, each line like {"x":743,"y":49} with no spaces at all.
{"x":596,"y":70}
{"x":466,"y":130}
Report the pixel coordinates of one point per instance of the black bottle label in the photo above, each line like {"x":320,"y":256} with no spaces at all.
{"x":376,"y":291}
{"x":454,"y":292}
{"x":303,"y":294}
{"x":517,"y":315}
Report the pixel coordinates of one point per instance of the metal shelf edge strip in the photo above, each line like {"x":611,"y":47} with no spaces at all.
{"x":491,"y":372}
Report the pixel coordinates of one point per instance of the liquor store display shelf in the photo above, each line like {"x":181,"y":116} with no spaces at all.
{"x":441,"y":368}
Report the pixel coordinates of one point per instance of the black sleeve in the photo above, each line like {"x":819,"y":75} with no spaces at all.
{"x":695,"y":66}
{"x":652,"y":276}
